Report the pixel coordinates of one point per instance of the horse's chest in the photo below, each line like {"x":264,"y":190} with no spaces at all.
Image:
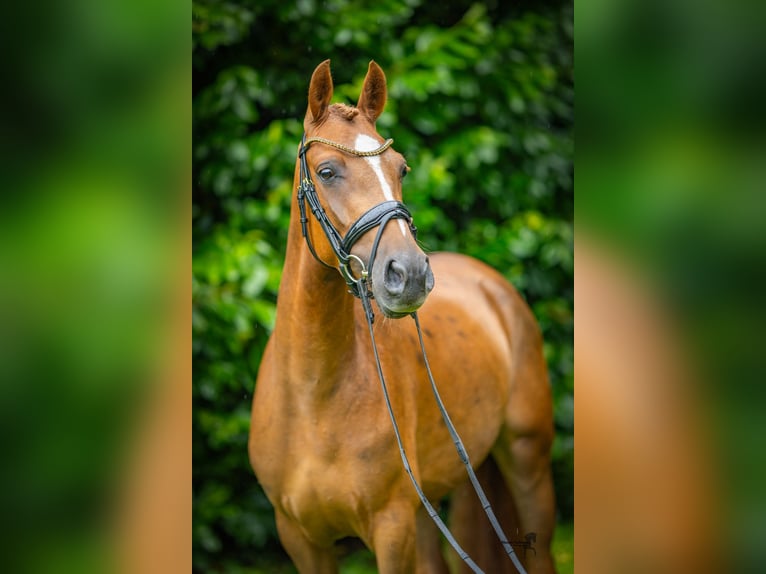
{"x":330,"y":495}
{"x":330,"y":464}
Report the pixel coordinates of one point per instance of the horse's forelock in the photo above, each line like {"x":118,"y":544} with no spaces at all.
{"x":344,"y":111}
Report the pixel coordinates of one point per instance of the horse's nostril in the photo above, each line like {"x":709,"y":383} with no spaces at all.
{"x":429,"y":279}
{"x":395,"y":277}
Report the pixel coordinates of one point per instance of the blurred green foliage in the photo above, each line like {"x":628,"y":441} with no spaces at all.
{"x":480,"y":102}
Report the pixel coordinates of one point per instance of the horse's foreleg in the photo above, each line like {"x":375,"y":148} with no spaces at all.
{"x":394,"y":539}
{"x":525,"y":464}
{"x":307,"y":556}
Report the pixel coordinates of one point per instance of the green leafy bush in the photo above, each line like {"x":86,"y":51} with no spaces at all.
{"x":480,"y":102}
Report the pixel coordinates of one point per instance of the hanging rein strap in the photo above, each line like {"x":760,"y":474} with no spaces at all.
{"x":406,"y":463}
{"x":462,"y":453}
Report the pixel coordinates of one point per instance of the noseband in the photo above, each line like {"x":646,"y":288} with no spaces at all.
{"x":377,"y":216}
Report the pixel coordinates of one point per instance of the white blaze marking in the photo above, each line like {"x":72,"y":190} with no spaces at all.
{"x":366,"y":143}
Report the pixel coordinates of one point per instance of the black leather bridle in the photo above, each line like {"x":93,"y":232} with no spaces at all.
{"x":377,"y":216}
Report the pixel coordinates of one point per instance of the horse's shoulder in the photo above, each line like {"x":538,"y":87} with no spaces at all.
{"x":467,"y":279}
{"x":456,"y":268}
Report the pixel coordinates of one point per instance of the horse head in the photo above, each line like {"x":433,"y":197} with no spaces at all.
{"x":353,"y":180}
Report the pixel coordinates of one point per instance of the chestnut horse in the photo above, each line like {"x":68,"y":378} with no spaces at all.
{"x":321,"y":440}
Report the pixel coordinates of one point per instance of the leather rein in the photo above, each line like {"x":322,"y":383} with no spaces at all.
{"x":379,"y":216}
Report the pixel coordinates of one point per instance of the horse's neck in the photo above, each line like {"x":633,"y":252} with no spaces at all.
{"x":315,"y":317}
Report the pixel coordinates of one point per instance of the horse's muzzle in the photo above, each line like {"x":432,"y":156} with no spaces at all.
{"x":402,"y":283}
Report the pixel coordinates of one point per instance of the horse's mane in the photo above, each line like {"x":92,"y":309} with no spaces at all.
{"x":344,"y":111}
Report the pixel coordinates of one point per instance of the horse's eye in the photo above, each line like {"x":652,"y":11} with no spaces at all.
{"x":405,"y":171}
{"x":326,"y":174}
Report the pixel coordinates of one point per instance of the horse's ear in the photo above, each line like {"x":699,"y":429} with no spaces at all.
{"x":320,"y":92}
{"x":374,"y":93}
